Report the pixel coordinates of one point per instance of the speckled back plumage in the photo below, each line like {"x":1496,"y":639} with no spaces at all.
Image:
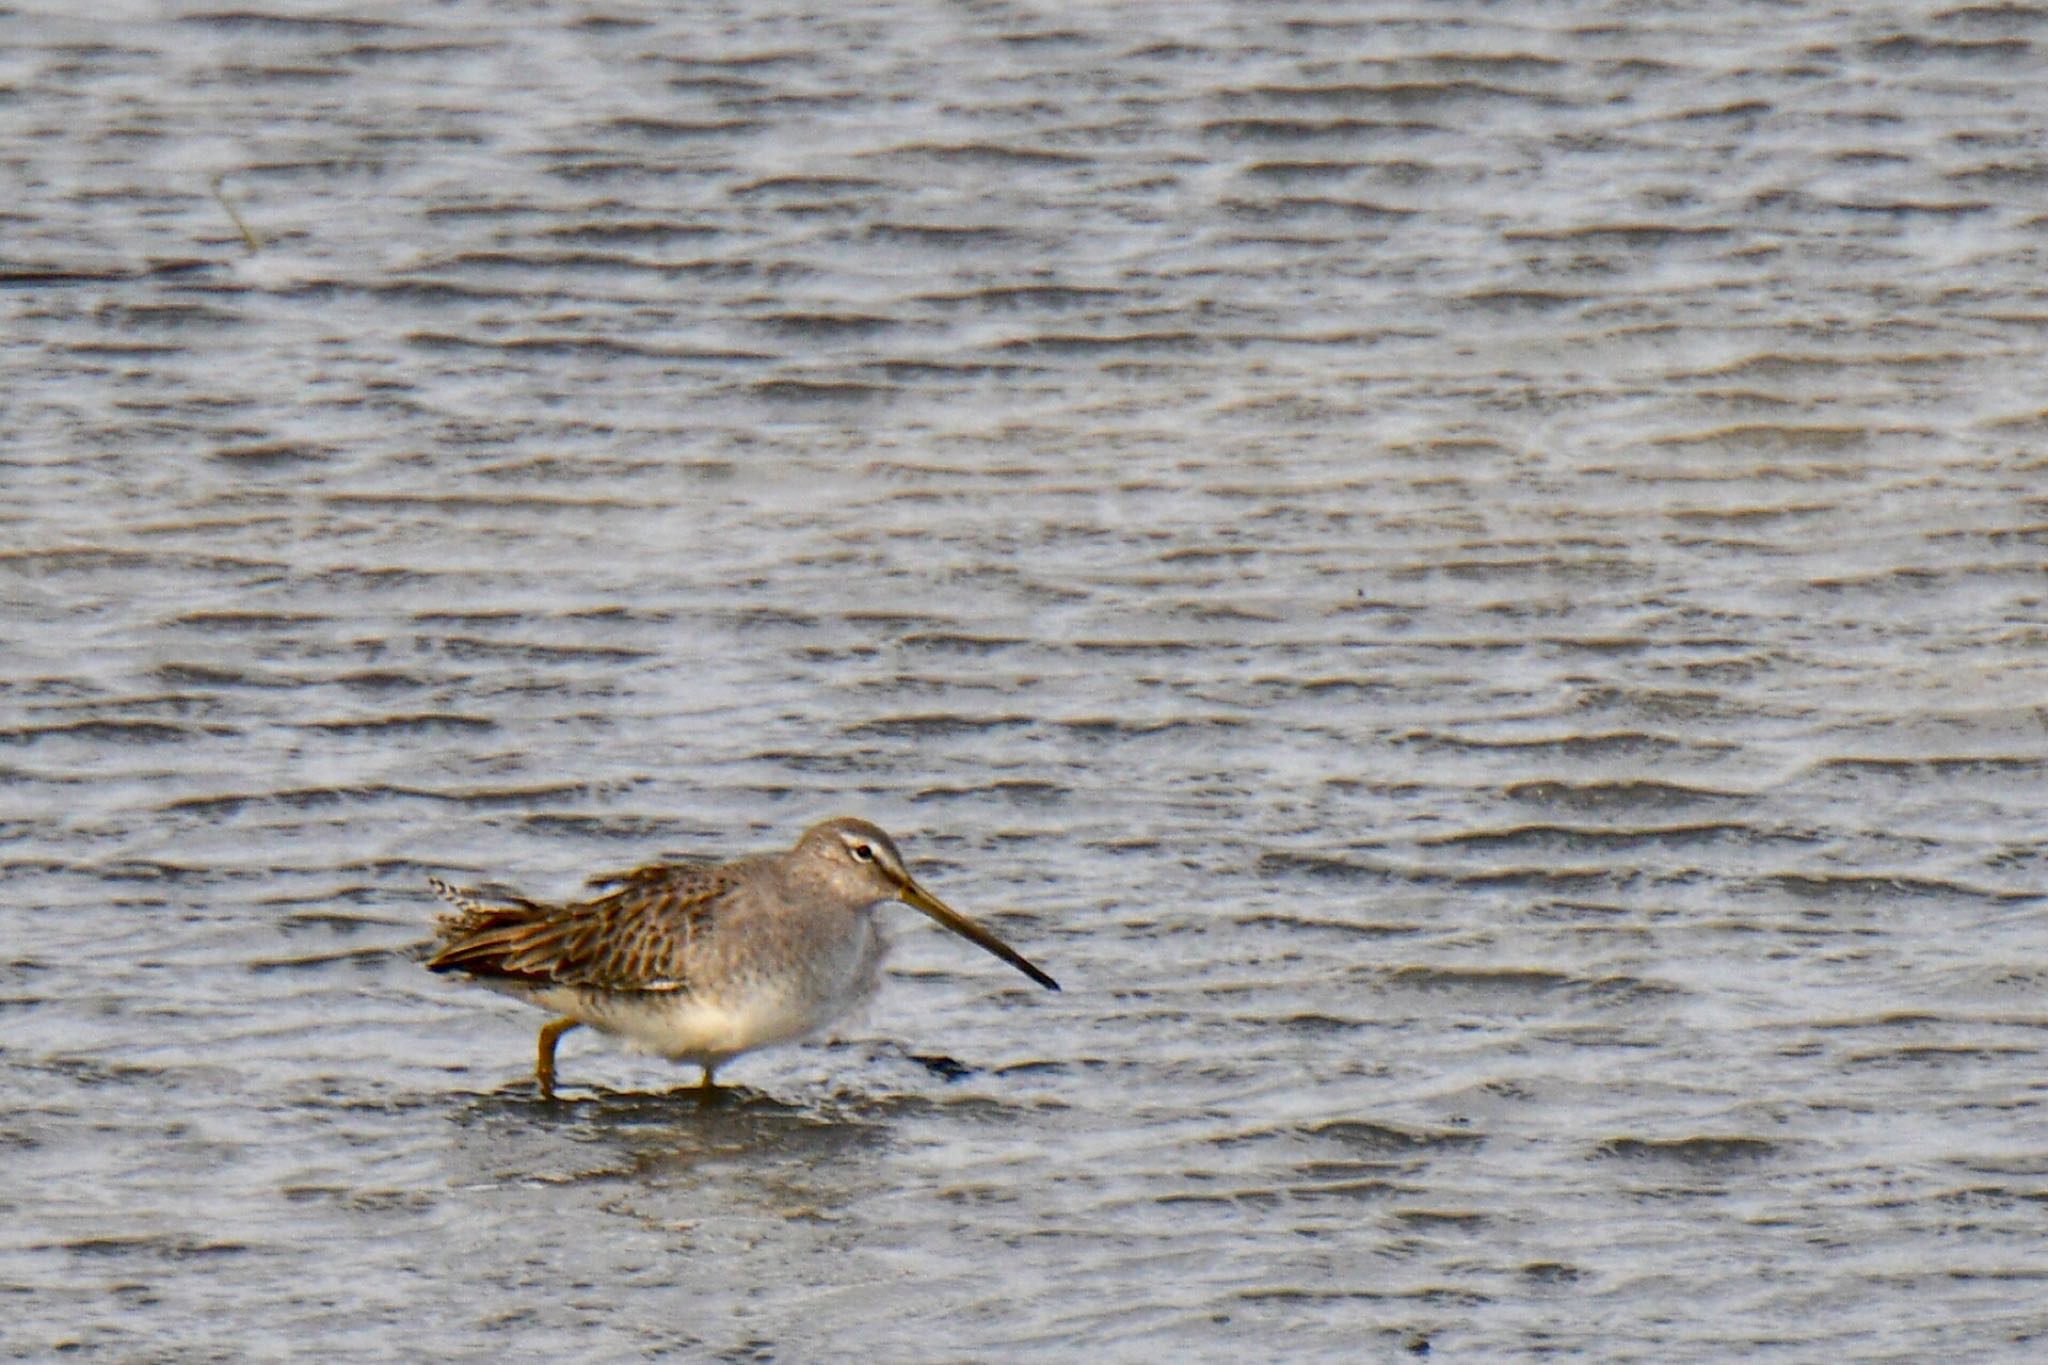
{"x":635,"y":937}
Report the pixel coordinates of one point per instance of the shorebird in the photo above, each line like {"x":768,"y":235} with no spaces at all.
{"x":697,"y":961}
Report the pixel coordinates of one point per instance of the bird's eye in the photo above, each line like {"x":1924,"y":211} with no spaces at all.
{"x":863,"y":852}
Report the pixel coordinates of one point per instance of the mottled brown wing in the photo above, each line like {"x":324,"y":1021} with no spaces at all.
{"x":635,"y":937}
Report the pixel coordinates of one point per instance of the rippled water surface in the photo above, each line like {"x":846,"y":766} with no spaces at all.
{"x":1470,"y":578}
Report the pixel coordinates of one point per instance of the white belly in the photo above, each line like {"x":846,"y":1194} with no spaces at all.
{"x":711,"y":1025}
{"x":684,"y":1028}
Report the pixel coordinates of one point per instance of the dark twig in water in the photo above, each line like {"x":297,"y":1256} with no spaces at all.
{"x":249,"y":239}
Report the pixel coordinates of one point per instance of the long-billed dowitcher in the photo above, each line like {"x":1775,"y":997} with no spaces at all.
{"x":700,"y":962}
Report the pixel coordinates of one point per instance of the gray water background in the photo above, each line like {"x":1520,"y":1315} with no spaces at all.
{"x":1469,"y":577}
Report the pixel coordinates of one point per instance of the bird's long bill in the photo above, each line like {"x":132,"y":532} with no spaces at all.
{"x":915,"y":895}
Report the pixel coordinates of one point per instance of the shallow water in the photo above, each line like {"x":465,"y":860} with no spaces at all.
{"x":1469,"y":579}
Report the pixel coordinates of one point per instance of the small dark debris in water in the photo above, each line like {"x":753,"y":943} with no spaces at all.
{"x":1551,"y":1272}
{"x":1377,"y":1137}
{"x":944,"y":1067}
{"x":1418,"y":1345}
{"x":1710,"y":1150}
{"x":263,"y":453}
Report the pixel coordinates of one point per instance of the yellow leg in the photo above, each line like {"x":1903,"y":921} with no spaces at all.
{"x":544,"y":1061}
{"x":707,"y":1089}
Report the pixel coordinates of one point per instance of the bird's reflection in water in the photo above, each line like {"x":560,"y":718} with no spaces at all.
{"x":696,"y":1159}
{"x":593,"y":1133}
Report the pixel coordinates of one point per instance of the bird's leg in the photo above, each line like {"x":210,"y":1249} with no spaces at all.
{"x":707,"y":1089}
{"x":544,"y":1060}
